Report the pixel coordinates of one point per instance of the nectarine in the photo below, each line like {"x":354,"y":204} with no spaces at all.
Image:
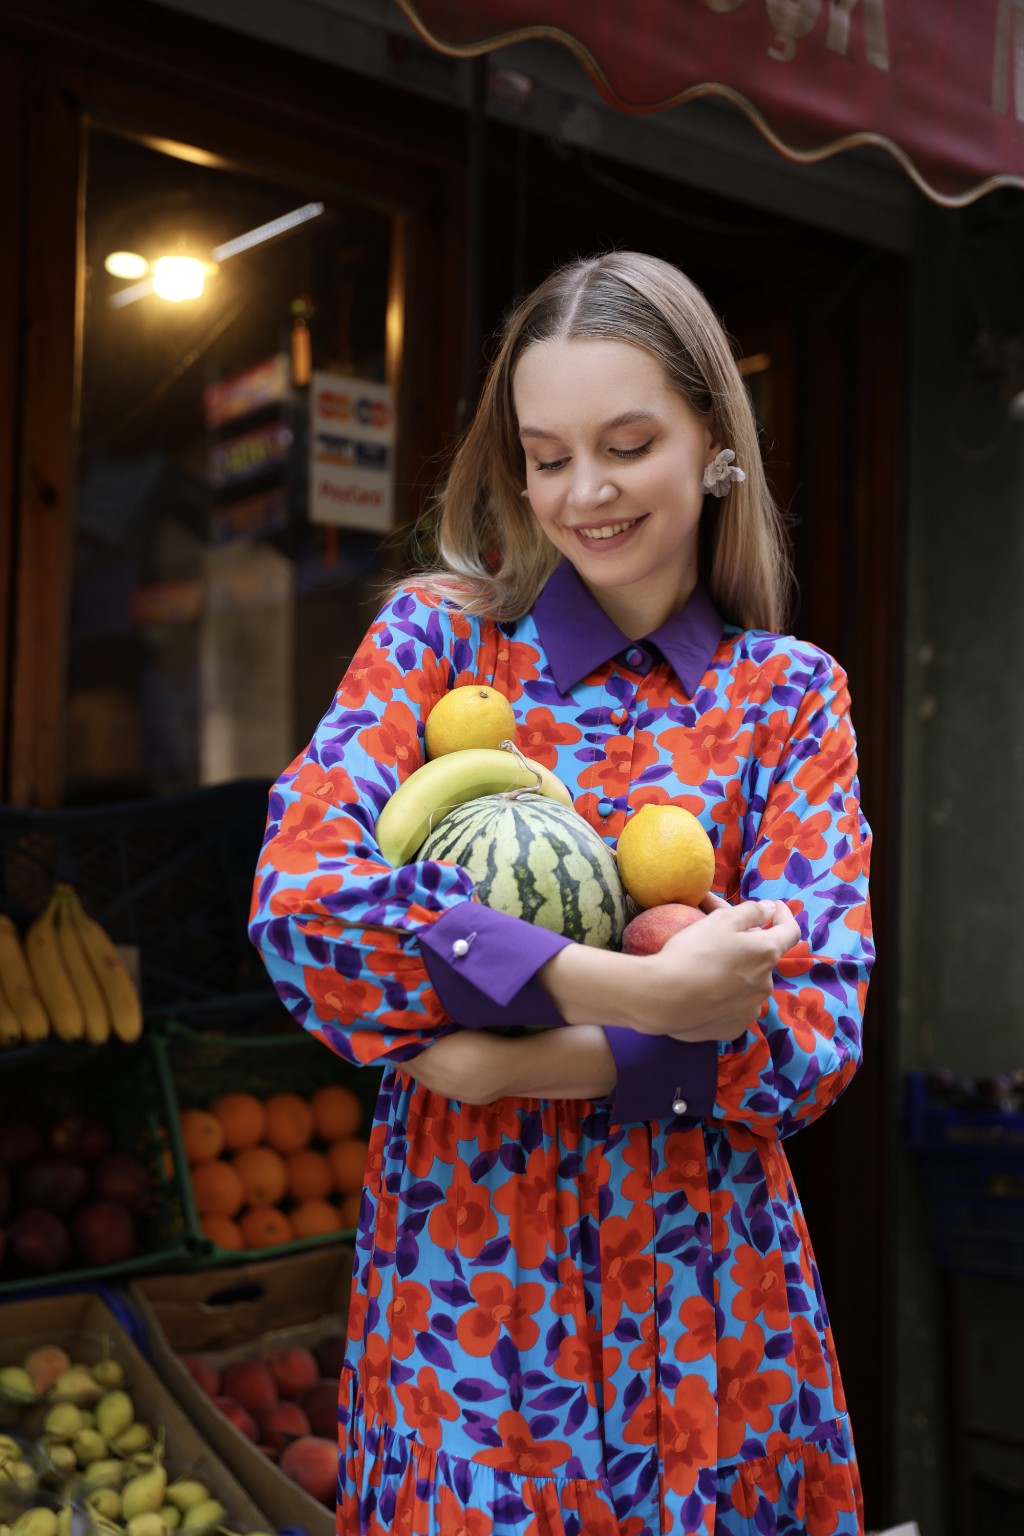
{"x":648,"y":931}
{"x":313,"y":1464}
{"x":240,"y":1417}
{"x":282,"y":1423}
{"x":250,"y":1383}
{"x":293,"y":1370}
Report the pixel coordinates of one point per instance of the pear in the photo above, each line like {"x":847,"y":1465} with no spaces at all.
{"x":35,"y":1522}
{"x":206,"y":1512}
{"x":63,"y":1421}
{"x":144,"y":1494}
{"x":16,"y":1383}
{"x":185,"y":1492}
{"x":76,"y":1385}
{"x":114,"y":1412}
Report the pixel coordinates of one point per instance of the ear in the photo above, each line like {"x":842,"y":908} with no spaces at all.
{"x":716,"y":440}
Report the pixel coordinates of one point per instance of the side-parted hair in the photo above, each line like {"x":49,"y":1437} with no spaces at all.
{"x":493,"y":558}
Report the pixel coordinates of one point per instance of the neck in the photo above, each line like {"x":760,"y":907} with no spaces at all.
{"x":638,"y":612}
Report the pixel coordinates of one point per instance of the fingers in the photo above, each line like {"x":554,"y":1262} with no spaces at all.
{"x":713,"y":903}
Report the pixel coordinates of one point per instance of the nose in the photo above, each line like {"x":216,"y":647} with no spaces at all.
{"x":590,"y":486}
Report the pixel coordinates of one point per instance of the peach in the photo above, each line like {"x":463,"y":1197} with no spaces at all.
{"x":293,"y":1370}
{"x":203,"y":1372}
{"x":282,"y":1423}
{"x":313,"y":1463}
{"x":320,"y":1405}
{"x":647,"y":932}
{"x":249,"y":1383}
{"x":44,"y":1365}
{"x":240,"y":1417}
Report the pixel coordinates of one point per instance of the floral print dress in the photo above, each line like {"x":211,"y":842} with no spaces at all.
{"x":569,"y":1318}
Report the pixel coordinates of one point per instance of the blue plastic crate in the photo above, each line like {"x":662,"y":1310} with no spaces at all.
{"x":971,"y":1162}
{"x":172,"y":876}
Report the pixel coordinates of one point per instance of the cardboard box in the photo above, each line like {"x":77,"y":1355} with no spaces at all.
{"x":234,"y":1312}
{"x":80,"y":1324}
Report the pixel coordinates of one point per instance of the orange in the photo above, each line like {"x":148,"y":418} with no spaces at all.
{"x":222,"y":1231}
{"x":264,"y":1226}
{"x":665,"y":855}
{"x":218,"y":1188}
{"x":337,"y":1112}
{"x":202,"y":1134}
{"x":471,"y":715}
{"x":348,"y":1163}
{"x":264,"y":1174}
{"x":309,"y":1175}
{"x":289,"y":1122}
{"x":243,"y":1118}
{"x":315,"y":1218}
{"x":350,"y":1208}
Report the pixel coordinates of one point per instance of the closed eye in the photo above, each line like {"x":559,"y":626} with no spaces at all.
{"x":633,"y":453}
{"x":552,"y":464}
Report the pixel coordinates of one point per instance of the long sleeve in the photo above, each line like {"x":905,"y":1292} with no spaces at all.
{"x":811,"y":850}
{"x":346,"y":938}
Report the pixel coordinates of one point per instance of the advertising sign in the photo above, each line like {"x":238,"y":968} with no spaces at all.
{"x":352,"y":448}
{"x":265,"y":383}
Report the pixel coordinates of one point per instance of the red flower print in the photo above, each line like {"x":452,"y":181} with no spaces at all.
{"x":519,"y":1452}
{"x":771,"y":738}
{"x":761,"y":1282}
{"x":709,"y":749}
{"x":785,"y":834}
{"x":426,"y":684}
{"x":337,"y":999}
{"x":357,"y":1309}
{"x":511,"y":663}
{"x":490,"y":1124}
{"x":623,"y":760}
{"x":425,"y":1404}
{"x":754,"y":680}
{"x":799,"y":960}
{"x":385,"y":1227}
{"x":627,"y":1266}
{"x":688,"y":1434}
{"x":697,"y":1329}
{"x":328,"y":786}
{"x":370,"y":671}
{"x":729,"y":814}
{"x":465,"y":1221}
{"x":431,"y":1133}
{"x":569,"y":1300}
{"x":685,"y":1168}
{"x":637,"y":1155}
{"x":540,"y":735}
{"x":574,"y":1361}
{"x":301,"y":900}
{"x":306,"y":836}
{"x":858,"y":919}
{"x":408,"y":1315}
{"x":454,"y":1520}
{"x":394,"y":740}
{"x":722,"y":1203}
{"x":808,"y":1357}
{"x":828,"y":1491}
{"x":375,"y":1378}
{"x":500,"y":1305}
{"x":806,"y":1014}
{"x":745,"y":1394}
{"x":831,"y":765}
{"x":643,"y":1356}
{"x":540,"y":1213}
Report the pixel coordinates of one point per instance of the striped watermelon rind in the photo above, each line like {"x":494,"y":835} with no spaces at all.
{"x":538,"y":860}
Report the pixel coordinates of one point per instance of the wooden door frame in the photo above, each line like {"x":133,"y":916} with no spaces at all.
{"x":185,"y":83}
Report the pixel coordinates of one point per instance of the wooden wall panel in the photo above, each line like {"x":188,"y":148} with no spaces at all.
{"x":12,"y":127}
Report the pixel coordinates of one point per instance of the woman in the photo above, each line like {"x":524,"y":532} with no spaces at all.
{"x":584,"y":1299}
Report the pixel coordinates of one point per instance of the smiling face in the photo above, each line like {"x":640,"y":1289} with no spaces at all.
{"x":614,"y":460}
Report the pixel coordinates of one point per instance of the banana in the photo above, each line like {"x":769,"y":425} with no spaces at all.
{"x":118,"y":988}
{"x":84,"y":980}
{"x":19,"y":988}
{"x":409,"y":816}
{"x":10,"y":1028}
{"x":51,"y":974}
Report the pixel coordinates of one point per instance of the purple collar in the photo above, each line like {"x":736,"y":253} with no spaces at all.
{"x":579,"y":637}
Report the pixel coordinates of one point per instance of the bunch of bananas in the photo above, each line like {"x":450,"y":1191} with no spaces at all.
{"x":67,"y":979}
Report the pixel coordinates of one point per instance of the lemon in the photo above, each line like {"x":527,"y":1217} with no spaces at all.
{"x":472,"y":715}
{"x":665,"y":855}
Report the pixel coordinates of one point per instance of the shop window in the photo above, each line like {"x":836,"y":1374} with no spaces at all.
{"x":234,"y":469}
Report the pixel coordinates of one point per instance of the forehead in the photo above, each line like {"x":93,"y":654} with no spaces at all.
{"x":587,"y":380}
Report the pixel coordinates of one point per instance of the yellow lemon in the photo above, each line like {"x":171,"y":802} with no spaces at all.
{"x":471,"y":715}
{"x":665,"y":855}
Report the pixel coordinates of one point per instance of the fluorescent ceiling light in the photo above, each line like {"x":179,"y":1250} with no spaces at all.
{"x":127,"y":264}
{"x":267,"y":231}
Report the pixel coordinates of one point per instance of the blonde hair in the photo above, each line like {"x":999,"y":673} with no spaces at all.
{"x":490,"y":554}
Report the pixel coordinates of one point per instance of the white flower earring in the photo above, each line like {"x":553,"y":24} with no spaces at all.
{"x":720,"y":474}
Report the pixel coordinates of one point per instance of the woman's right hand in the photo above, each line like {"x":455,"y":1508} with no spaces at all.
{"x":711,"y":981}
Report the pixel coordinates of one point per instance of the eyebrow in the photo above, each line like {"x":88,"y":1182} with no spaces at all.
{"x":627,"y":419}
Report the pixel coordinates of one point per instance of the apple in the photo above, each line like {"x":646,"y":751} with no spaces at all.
{"x":649,"y":930}
{"x":38,"y":1242}
{"x":52,"y":1181}
{"x":123,"y":1179}
{"x":80,"y":1136}
{"x":104,"y":1233}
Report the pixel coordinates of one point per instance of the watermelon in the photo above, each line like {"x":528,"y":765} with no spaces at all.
{"x":536,"y":859}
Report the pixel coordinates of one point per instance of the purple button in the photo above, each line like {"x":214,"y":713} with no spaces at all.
{"x":634,"y":656}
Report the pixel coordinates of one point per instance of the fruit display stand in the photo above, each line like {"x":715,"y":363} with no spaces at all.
{"x":231,"y":1314}
{"x":122,"y":1088}
{"x":80,"y":1324}
{"x":199,"y":1068}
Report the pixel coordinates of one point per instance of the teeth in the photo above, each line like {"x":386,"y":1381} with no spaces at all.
{"x":609,"y":532}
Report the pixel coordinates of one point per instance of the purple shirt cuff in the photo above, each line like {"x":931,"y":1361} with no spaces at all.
{"x":492,"y":983}
{"x":652,"y":1072}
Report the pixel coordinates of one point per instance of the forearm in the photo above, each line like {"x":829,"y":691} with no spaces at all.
{"x":478,"y":1068}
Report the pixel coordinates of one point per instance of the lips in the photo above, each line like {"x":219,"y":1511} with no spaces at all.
{"x":607,"y":535}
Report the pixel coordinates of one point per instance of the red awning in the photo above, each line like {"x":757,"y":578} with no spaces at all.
{"x":938,"y":84}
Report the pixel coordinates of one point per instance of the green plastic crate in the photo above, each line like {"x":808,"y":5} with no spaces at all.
{"x":125,"y":1087}
{"x":200,"y":1067}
